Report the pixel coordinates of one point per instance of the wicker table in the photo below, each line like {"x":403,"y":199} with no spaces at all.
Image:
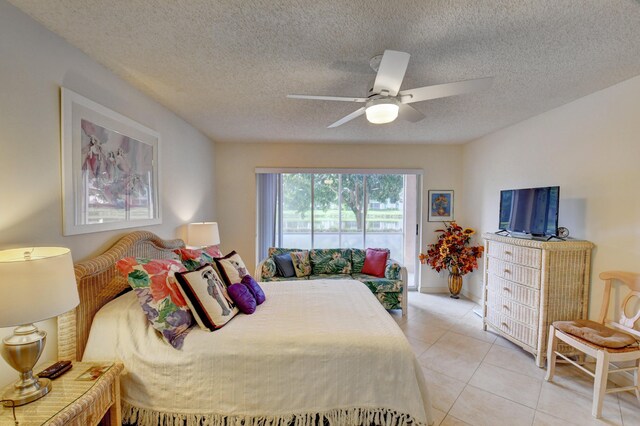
{"x":73,"y":402}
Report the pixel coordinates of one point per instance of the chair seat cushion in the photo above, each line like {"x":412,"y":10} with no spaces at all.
{"x":596,"y":333}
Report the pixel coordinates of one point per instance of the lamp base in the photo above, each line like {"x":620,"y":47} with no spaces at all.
{"x":22,"y":396}
{"x":21,"y":351}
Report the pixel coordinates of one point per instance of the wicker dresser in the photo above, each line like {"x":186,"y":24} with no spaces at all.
{"x":528,"y":284}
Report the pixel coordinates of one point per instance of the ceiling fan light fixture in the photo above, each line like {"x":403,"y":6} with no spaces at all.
{"x":381,"y":111}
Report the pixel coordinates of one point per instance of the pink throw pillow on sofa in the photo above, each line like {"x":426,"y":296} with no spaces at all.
{"x":375,"y":262}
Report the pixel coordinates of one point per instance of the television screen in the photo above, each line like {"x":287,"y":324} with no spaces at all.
{"x":531,"y":211}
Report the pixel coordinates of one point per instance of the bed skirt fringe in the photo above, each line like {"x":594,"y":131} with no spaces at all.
{"x":338,"y":417}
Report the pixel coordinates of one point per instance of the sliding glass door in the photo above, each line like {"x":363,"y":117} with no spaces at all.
{"x":327,"y":210}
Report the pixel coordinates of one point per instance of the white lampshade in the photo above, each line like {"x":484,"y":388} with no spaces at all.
{"x":202,"y":234}
{"x":36,"y":283}
{"x":383,"y":112}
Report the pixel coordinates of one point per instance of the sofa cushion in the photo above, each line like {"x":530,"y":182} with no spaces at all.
{"x":357,"y":260}
{"x":393,"y":270}
{"x":379,"y":285}
{"x":330,"y":261}
{"x":274,"y":251}
{"x":376,"y":262}
{"x":330,"y":277}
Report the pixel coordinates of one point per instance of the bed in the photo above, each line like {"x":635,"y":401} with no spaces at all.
{"x":320,"y":352}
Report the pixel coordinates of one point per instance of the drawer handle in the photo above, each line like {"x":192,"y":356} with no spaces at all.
{"x":508,"y":253}
{"x":506,"y":289}
{"x":505,"y":307}
{"x":506,"y":271}
{"x":504,"y":324}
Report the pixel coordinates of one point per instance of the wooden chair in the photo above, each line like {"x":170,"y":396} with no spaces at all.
{"x":615,"y":342}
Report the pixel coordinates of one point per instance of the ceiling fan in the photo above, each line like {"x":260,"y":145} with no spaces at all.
{"x":386,"y":101}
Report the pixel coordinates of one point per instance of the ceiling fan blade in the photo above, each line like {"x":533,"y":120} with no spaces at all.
{"x":391,"y":72}
{"x":444,"y":90}
{"x":328,"y":98}
{"x":355,"y":114}
{"x":409,"y":113}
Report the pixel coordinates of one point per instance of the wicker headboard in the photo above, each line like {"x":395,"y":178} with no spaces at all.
{"x":99,"y":282}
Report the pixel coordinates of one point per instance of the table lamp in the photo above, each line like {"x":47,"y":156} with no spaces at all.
{"x":36,"y":283}
{"x":202,"y":234}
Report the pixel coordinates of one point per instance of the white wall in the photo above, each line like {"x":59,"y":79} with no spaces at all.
{"x":34,"y":63}
{"x":591,"y":148}
{"x":236,"y":183}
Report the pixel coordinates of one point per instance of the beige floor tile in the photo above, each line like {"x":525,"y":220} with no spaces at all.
{"x":575,"y":407}
{"x":452,"y":421}
{"x":501,"y":341}
{"x":443,"y":389}
{"x":630,"y":408}
{"x":438,"y":416}
{"x":478,"y":407}
{"x":508,"y":384}
{"x":569,"y":377}
{"x":514,"y":359}
{"x":428,"y":333}
{"x":455,"y":355}
{"x":418,"y":346}
{"x":544,"y":419}
{"x":471,"y":325}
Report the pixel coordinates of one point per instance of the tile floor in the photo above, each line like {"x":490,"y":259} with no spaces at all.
{"x":478,"y":378}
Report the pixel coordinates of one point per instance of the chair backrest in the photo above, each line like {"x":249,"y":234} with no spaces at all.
{"x":624,"y":323}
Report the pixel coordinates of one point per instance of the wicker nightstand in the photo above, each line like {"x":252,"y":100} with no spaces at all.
{"x":73,"y":402}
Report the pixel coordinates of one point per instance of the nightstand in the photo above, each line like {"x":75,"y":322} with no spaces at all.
{"x":73,"y":402}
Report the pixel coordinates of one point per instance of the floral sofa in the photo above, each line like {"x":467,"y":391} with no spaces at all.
{"x":345,"y":263}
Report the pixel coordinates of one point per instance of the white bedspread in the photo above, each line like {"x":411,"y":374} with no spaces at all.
{"x":323,"y":349}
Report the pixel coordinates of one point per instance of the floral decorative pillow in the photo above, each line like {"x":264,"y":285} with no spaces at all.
{"x":158,"y":293}
{"x":269,"y":268}
{"x":207,"y":297}
{"x":192,"y":259}
{"x":231,"y":268}
{"x":301,"y":263}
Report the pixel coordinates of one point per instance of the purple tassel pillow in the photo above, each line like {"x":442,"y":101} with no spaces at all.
{"x":254,"y":288}
{"x":242,"y":297}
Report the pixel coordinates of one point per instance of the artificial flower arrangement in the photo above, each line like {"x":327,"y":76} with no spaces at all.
{"x":452,"y":251}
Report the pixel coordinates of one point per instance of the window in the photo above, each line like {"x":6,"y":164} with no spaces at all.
{"x":335,"y":209}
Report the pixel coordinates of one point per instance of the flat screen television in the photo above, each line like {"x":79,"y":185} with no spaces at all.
{"x":531,"y":211}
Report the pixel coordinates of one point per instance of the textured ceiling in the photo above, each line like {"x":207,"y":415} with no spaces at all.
{"x":226,"y":66}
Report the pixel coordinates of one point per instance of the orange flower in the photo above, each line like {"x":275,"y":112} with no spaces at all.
{"x":452,"y":250}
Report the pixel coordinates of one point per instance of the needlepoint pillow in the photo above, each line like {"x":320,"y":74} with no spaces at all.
{"x":254,"y":288}
{"x":192,"y":259}
{"x":375,"y":262}
{"x":231,"y":268}
{"x":207,"y":296}
{"x":154,"y":283}
{"x":301,"y":263}
{"x":243,"y":298}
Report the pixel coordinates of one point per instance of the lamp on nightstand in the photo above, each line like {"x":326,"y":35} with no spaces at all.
{"x":202,"y":234}
{"x":36,"y":283}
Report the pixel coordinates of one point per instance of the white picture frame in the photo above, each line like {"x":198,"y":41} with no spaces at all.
{"x":110,"y":168}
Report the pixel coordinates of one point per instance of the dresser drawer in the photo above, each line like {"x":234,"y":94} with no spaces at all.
{"x":526,"y":335}
{"x":525,"y":256}
{"x":515,"y":273}
{"x":511,"y":309}
{"x":518,"y":293}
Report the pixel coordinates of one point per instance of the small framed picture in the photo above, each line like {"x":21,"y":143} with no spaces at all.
{"x":440,"y":205}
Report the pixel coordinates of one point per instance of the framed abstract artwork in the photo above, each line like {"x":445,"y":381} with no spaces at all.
{"x":440,"y":205}
{"x":109,"y":169}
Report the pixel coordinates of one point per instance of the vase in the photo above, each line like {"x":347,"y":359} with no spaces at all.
{"x":455,"y":282}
